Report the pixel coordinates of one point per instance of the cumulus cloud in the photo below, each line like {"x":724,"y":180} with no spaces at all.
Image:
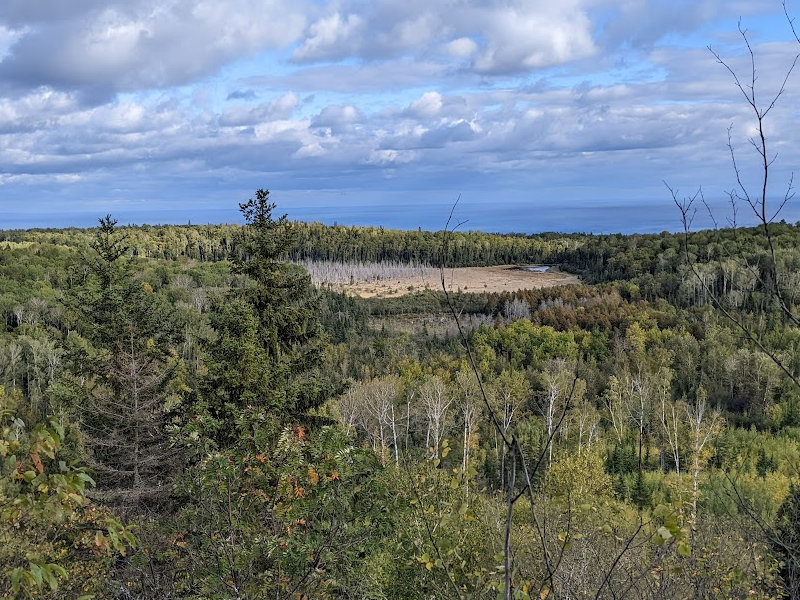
{"x":139,"y":44}
{"x":495,"y":37}
{"x":462,"y":47}
{"x":530,"y":36}
{"x":427,"y":106}
{"x":337,"y":118}
{"x":346,"y":93}
{"x":331,"y":37}
{"x":279,"y":108}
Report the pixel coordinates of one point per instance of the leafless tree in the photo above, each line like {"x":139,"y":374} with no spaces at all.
{"x":780,"y":286}
{"x":756,"y":196}
{"x":516,"y":309}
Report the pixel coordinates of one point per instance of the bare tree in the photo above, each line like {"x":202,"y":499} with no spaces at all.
{"x":508,"y":395}
{"x":468,"y":404}
{"x":561,"y":389}
{"x":670,"y":417}
{"x":516,"y":309}
{"x":756,"y":196}
{"x":370,"y":405}
{"x":763,"y":272}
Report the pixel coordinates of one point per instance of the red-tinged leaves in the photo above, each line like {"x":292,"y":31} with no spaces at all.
{"x":37,"y":462}
{"x":313,"y":476}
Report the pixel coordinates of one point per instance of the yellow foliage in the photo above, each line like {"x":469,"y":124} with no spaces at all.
{"x":579,"y":477}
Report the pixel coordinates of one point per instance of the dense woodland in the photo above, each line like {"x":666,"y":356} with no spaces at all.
{"x":184,"y":415}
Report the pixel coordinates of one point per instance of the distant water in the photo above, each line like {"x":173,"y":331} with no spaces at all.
{"x":497,"y":216}
{"x":515,"y":217}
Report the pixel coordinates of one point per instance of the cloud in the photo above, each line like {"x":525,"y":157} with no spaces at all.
{"x":495,"y":37}
{"x":338,"y":118}
{"x":242,"y":95}
{"x":373,"y":77}
{"x":462,"y":47}
{"x":280,"y":108}
{"x":331,"y":38}
{"x":643,"y":22}
{"x":532,"y":36}
{"x":109,"y":47}
{"x":426,"y":106}
{"x":371,"y":95}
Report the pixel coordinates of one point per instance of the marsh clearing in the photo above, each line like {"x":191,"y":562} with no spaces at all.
{"x":394,"y":280}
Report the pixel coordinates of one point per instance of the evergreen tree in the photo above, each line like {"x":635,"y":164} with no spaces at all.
{"x":275,"y":507}
{"x":270,"y":344}
{"x":132,"y":377}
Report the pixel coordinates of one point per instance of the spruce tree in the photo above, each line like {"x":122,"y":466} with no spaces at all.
{"x":131,"y":376}
{"x":275,"y":507}
{"x":270,"y":339}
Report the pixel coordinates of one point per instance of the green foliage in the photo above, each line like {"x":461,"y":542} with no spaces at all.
{"x":521,"y":345}
{"x":52,"y":539}
{"x":580,"y":476}
{"x":133,"y":377}
{"x":273,"y":506}
{"x":237,"y":365}
{"x":284,"y":511}
{"x":275,"y":320}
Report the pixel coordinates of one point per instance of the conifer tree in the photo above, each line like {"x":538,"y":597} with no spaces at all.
{"x":131,"y":376}
{"x":276,"y":507}
{"x":269,"y":350}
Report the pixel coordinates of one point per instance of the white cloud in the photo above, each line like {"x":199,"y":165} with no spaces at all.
{"x":462,"y":47}
{"x":338,"y":118}
{"x":145,"y":44}
{"x":422,"y":90}
{"x":530,"y":36}
{"x":332,"y":37}
{"x":427,"y":106}
{"x":243,"y":116}
{"x":390,"y":157}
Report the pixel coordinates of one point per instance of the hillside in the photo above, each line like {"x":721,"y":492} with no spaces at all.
{"x":289,"y":410}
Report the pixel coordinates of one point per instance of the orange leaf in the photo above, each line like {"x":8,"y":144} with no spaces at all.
{"x":37,"y":462}
{"x":313,"y":475}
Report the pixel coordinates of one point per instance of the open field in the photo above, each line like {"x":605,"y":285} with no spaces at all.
{"x":390,"y":281}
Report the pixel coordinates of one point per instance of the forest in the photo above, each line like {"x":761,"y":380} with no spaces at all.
{"x":183,"y":414}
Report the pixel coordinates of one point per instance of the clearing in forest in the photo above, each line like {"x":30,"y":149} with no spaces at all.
{"x":390,"y":281}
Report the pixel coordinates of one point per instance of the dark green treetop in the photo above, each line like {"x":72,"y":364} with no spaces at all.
{"x":270,"y":340}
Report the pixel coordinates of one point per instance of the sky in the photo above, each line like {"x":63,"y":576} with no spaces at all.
{"x":537,"y":115}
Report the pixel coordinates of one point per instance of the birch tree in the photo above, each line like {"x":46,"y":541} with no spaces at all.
{"x":560,"y":387}
{"x":435,"y":400}
{"x":468,"y":403}
{"x":704,"y":424}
